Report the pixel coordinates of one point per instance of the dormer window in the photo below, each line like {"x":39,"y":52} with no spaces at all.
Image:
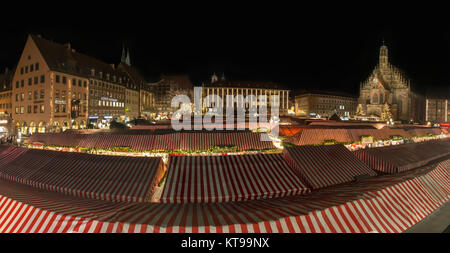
{"x":101,"y":74}
{"x":93,"y":72}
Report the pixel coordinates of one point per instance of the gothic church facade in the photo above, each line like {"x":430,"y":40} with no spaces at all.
{"x":387,"y":84}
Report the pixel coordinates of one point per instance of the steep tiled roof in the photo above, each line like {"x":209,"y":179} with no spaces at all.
{"x":134,"y":75}
{"x":63,"y":58}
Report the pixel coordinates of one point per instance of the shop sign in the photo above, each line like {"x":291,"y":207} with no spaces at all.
{"x":366,"y":139}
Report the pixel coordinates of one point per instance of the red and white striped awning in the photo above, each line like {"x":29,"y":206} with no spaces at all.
{"x":187,"y":141}
{"x":9,"y":154}
{"x":399,"y":158}
{"x":318,"y":136}
{"x":385,"y":204}
{"x":203,"y":179}
{"x":322,"y":166}
{"x":113,"y":178}
{"x":423,"y":131}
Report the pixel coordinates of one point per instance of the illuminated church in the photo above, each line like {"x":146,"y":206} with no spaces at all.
{"x":388,"y":84}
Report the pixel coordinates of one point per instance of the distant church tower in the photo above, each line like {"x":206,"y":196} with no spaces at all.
{"x":388,"y":84}
{"x":383,"y":55}
{"x":125,"y":56}
{"x":214,"y":78}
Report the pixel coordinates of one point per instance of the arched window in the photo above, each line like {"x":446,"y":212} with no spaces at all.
{"x":381,"y":98}
{"x":399,"y":102}
{"x":41,"y":127}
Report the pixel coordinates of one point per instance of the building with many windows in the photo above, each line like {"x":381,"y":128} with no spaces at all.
{"x":138,"y":97}
{"x":166,"y":88}
{"x":437,"y":105}
{"x":55,"y":88}
{"x":325,"y":104}
{"x":5,"y":91}
{"x":5,"y":102}
{"x":222,"y":88}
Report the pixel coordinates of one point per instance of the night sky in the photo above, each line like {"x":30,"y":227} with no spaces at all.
{"x":303,"y":48}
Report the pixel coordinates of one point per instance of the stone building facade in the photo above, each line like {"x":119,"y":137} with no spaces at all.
{"x":222,"y":88}
{"x":325,"y":104}
{"x":438,"y":105}
{"x":55,"y":88}
{"x":388,"y":84}
{"x":166,"y":88}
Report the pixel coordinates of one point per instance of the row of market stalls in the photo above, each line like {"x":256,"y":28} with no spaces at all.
{"x":396,"y":159}
{"x":113,"y":178}
{"x":203,"y":179}
{"x":209,"y":178}
{"x":323,"y":166}
{"x":170,"y":142}
{"x":385,"y":204}
{"x":361,"y":138}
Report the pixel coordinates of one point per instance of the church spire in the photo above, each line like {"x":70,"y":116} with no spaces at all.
{"x":127,"y":60}
{"x":125,"y":56}
{"x":383,"y":55}
{"x":214,"y":78}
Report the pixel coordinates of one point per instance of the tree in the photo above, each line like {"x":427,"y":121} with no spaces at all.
{"x":386,"y":115}
{"x":359,"y":110}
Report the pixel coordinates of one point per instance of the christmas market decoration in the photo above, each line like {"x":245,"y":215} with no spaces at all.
{"x":386,"y":115}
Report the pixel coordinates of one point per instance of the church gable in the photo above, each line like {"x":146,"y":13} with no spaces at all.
{"x":386,"y":85}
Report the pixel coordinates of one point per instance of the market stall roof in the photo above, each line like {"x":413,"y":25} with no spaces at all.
{"x":183,"y":141}
{"x":399,"y":158}
{"x":323,"y":166}
{"x":318,"y":136}
{"x":423,"y":131}
{"x":202,"y":179}
{"x":114,"y":178}
{"x":390,"y":203}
